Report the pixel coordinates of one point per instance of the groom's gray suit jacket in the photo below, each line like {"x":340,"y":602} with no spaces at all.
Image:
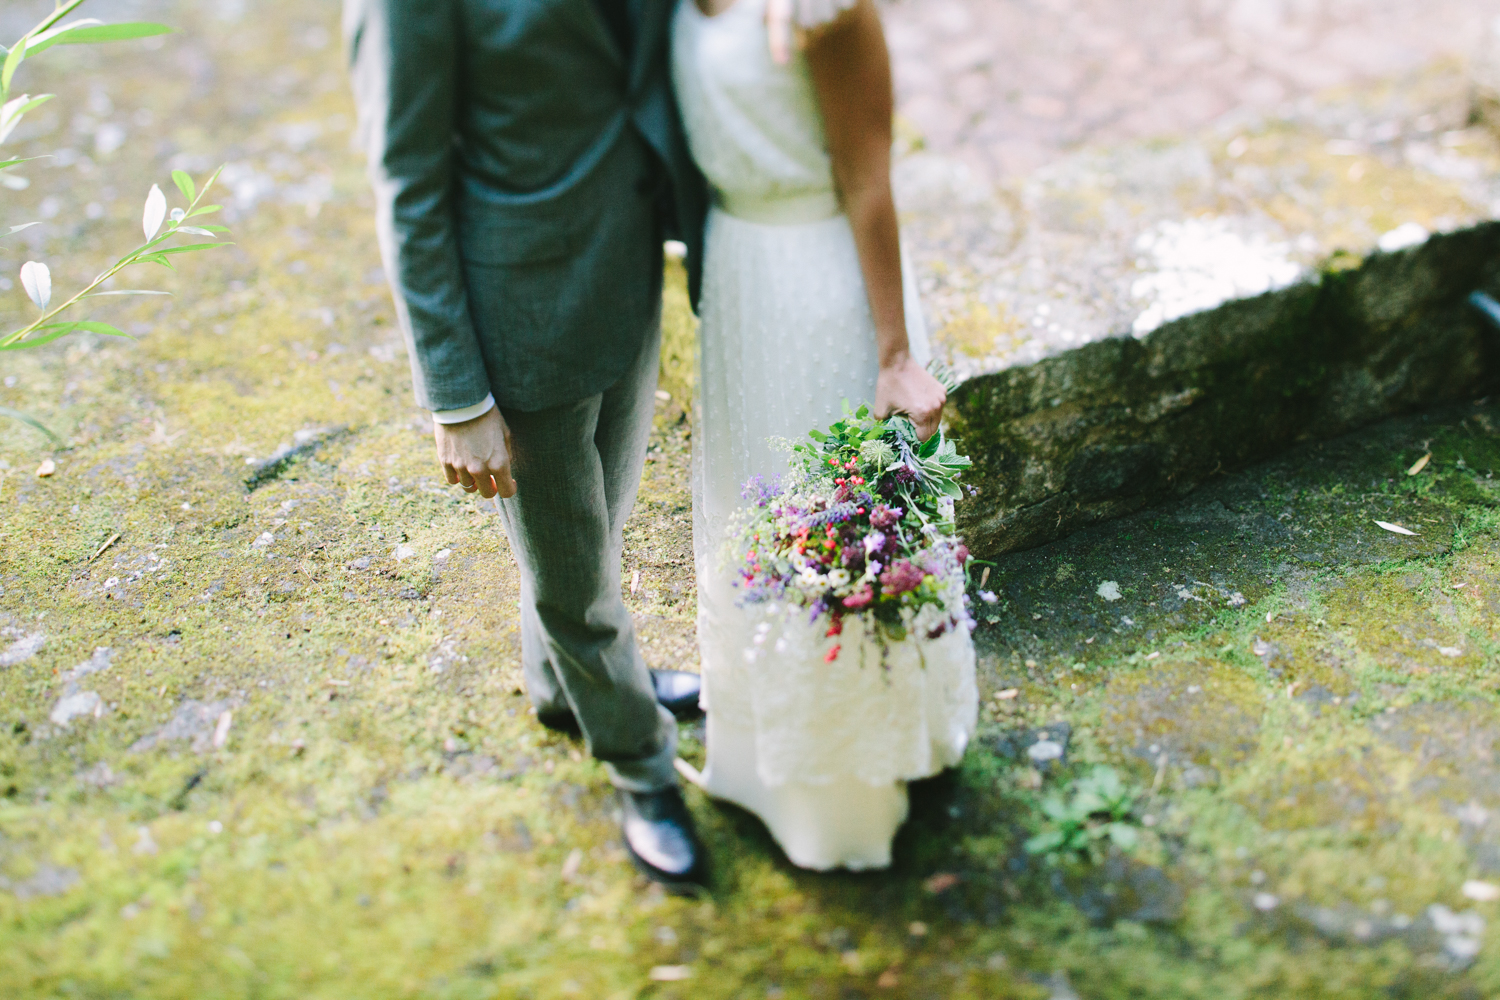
{"x":526,"y":171}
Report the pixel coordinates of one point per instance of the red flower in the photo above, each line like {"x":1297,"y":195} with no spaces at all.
{"x":832,"y":654}
{"x":962,"y":553}
{"x":835,"y":627}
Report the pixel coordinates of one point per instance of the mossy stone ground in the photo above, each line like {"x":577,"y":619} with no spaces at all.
{"x":1308,"y":701}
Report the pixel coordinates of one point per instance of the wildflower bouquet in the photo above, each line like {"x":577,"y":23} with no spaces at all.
{"x":862,"y":525}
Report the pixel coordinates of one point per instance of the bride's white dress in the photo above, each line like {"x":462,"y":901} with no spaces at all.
{"x":820,"y":751}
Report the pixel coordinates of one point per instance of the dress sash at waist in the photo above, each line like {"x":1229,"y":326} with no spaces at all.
{"x":779,"y":210}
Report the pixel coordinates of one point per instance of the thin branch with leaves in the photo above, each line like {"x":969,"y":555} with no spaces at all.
{"x":36,"y":277}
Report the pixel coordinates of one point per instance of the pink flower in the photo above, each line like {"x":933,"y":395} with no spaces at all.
{"x":901,"y":577}
{"x":861,"y":598}
{"x":962,"y":554}
{"x":832,"y":654}
{"x":885,"y":516}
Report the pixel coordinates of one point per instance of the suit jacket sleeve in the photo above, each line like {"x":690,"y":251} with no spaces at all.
{"x":403,"y":57}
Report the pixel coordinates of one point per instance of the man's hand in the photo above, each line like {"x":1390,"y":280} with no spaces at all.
{"x":906,"y":387}
{"x":476,"y":454}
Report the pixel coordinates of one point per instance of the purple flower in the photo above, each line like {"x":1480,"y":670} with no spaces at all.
{"x":884,"y":516}
{"x":833,"y":515}
{"x":761,"y":492}
{"x":901,"y":577}
{"x":874,"y":542}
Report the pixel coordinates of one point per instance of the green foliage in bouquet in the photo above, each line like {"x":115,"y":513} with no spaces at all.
{"x":923,"y":475}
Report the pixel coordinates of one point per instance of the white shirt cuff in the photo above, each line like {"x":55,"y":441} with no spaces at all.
{"x":466,"y":414}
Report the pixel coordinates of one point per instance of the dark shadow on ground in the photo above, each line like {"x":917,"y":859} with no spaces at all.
{"x":1305,"y":704}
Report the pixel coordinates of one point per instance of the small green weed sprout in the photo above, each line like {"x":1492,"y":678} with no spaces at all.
{"x":1094,"y":811}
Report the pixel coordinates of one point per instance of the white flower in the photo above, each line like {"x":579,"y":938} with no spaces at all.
{"x":988,"y":597}
{"x":810,"y":579}
{"x":877,"y":452}
{"x":838,"y":578}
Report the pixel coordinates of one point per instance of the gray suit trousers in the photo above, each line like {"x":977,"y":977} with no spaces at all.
{"x":577,"y":469}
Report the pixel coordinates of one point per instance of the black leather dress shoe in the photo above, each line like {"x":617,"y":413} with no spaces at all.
{"x":560,"y":722}
{"x":661,"y":839}
{"x":676,"y":691}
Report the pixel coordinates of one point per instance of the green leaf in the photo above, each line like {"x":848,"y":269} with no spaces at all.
{"x":184,"y":184}
{"x":1107,"y":780}
{"x":1048,"y":840}
{"x":92,"y":326}
{"x":205,"y":210}
{"x":1055,"y":808}
{"x":54,"y":330}
{"x":7,"y":164}
{"x":16,"y":229}
{"x":1125,"y":837}
{"x":193,"y":247}
{"x":213,"y":178}
{"x":12,"y":61}
{"x":85,"y":33}
{"x":127,"y":291}
{"x":12,"y":113}
{"x":26,"y":418}
{"x":46,"y":35}
{"x":1089,"y":801}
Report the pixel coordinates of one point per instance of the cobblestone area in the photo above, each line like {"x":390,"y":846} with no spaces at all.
{"x":1076,"y":171}
{"x":1009,"y":85}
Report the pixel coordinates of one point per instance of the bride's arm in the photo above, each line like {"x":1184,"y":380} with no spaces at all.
{"x":851,"y":71}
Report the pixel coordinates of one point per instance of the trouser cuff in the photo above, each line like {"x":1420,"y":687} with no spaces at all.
{"x":649,"y":774}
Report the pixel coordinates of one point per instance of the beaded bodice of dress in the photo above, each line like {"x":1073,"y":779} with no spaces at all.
{"x":754,"y":127}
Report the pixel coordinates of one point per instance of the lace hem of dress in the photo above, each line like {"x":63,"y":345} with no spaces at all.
{"x":877,"y":710}
{"x":813,"y":13}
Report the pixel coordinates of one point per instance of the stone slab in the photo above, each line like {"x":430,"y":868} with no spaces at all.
{"x":1121,"y":423}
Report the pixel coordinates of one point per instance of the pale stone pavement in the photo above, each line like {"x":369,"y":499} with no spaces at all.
{"x":1009,"y":85}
